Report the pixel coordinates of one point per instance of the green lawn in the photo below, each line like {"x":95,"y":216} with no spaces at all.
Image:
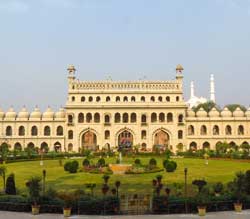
{"x":216,"y":170}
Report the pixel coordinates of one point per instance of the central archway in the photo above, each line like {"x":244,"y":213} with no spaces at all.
{"x":125,"y":139}
{"x":89,"y":140}
{"x":161,"y":139}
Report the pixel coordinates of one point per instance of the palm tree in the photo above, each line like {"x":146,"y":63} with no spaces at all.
{"x":3,"y":171}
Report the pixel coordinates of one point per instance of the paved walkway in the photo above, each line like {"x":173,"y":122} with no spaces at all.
{"x":219,"y":215}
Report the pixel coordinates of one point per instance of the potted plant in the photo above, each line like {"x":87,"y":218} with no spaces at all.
{"x":238,"y":190}
{"x":34,"y":187}
{"x":202,"y":200}
{"x":68,"y":200}
{"x":218,"y":188}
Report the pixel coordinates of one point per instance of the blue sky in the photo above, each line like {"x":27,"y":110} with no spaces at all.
{"x":129,"y":39}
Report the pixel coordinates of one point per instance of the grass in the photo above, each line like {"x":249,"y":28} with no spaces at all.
{"x":57,"y":178}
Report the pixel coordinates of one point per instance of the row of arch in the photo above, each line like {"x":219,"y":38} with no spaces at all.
{"x":206,"y":145}
{"x":126,"y":99}
{"x":33,"y":131}
{"x":124,"y":117}
{"x":216,"y":130}
{"x":57,"y":146}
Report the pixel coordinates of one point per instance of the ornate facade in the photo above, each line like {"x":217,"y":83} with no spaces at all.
{"x":106,"y":114}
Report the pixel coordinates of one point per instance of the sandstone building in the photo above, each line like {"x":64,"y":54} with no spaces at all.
{"x":105,"y":114}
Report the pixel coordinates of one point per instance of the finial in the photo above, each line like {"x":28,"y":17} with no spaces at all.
{"x":71,"y":69}
{"x":179,"y":68}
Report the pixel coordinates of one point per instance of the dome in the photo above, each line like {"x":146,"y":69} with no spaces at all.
{"x":190,"y":113}
{"x":1,"y":113}
{"x":36,"y":114}
{"x":201,"y":113}
{"x":226,"y":112}
{"x":60,"y":114}
{"x":214,"y":113}
{"x":179,"y":68}
{"x":23,"y":114}
{"x":238,"y":112}
{"x":248,"y":112}
{"x":48,"y":114}
{"x":11,"y":114}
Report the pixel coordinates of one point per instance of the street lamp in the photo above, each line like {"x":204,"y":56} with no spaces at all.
{"x":185,"y":173}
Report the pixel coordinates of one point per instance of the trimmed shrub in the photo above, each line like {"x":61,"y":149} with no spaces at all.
{"x":101,"y":162}
{"x":10,"y":185}
{"x":152,"y":162}
{"x":86,"y":162}
{"x":137,"y":161}
{"x":71,"y":166}
{"x":67,"y":165}
{"x":170,"y":166}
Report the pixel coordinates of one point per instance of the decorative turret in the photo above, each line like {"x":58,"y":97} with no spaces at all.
{"x":71,"y":75}
{"x":48,"y":114}
{"x":179,"y":70}
{"x":2,"y":114}
{"x":23,"y":114}
{"x":60,"y":114}
{"x":11,"y":114}
{"x":212,"y":88}
{"x":36,"y":114}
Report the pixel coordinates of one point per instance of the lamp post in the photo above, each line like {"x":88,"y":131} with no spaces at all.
{"x":185,"y":173}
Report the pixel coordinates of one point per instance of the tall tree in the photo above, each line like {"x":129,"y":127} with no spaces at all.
{"x":10,"y":185}
{"x":207,"y":106}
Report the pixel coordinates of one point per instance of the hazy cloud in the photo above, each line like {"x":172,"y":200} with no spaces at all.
{"x":14,"y":6}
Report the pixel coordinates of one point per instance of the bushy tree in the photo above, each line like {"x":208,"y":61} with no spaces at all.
{"x":152,"y":162}
{"x":71,"y":166}
{"x":200,"y":183}
{"x":170,"y":166}
{"x":233,"y":107}
{"x":3,"y":171}
{"x":86,"y":162}
{"x":101,"y":162}
{"x":10,"y":185}
{"x":207,"y":106}
{"x":34,"y":187}
{"x":137,"y":162}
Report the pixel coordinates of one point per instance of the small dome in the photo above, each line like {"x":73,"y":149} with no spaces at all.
{"x":11,"y":114}
{"x":238,"y":112}
{"x":190,"y":113}
{"x":1,"y":113}
{"x":201,"y":113}
{"x":226,"y":112}
{"x":23,"y":114}
{"x":36,"y":114}
{"x":179,"y":68}
{"x":48,"y":114}
{"x":248,"y":112}
{"x":214,"y":113}
{"x":60,"y":114}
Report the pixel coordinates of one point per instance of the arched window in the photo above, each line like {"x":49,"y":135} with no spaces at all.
{"x":70,"y":119}
{"x":241,"y":130}
{"x":162,"y":117}
{"x":160,"y":98}
{"x":97,"y":118}
{"x":59,"y":131}
{"x":168,"y":99}
{"x":125,"y":118}
{"x":144,"y":147}
{"x":21,"y":131}
{"x":177,"y":99}
{"x":107,"y":99}
{"x":190,"y":130}
{"x":228,"y":130}
{"x":46,"y":131}
{"x":31,"y":145}
{"x":133,"y":118}
{"x":82,"y":99}
{"x":216,"y":130}
{"x":152,"y":99}
{"x":34,"y":131}
{"x":70,"y":147}
{"x":169,"y":117}
{"x":80,"y":118}
{"x":73,"y":99}
{"x":70,"y":134}
{"x":9,"y":131}
{"x":180,"y":118}
{"x":132,"y":99}
{"x":107,"y":134}
{"x":107,"y":119}
{"x":98,"y":99}
{"x":193,"y":146}
{"x":90,"y":99}
{"x":143,"y":134}
{"x":180,"y":134}
{"x":89,"y":118}
{"x":203,"y":130}
{"x":125,"y":99}
{"x":117,"y":118}
{"x":143,"y":118}
{"x":206,"y":145}
{"x":117,"y":99}
{"x":153,"y":117}
{"x":143,"y":99}
{"x":44,"y":147}
{"x":18,"y":146}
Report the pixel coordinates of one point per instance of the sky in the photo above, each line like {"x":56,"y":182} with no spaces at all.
{"x":124,"y":40}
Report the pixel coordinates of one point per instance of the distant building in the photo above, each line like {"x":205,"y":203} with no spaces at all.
{"x":106,"y":114}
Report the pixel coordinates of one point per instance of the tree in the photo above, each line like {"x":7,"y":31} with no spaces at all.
{"x":35,"y":188}
{"x":10,"y":185}
{"x":3,"y":171}
{"x":4,"y":149}
{"x":207,"y":106}
{"x":233,"y":107}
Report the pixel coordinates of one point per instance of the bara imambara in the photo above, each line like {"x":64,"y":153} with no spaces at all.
{"x":107,"y":114}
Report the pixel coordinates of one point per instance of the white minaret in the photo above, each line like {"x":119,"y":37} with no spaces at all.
{"x":212,"y":88}
{"x":192,"y":89}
